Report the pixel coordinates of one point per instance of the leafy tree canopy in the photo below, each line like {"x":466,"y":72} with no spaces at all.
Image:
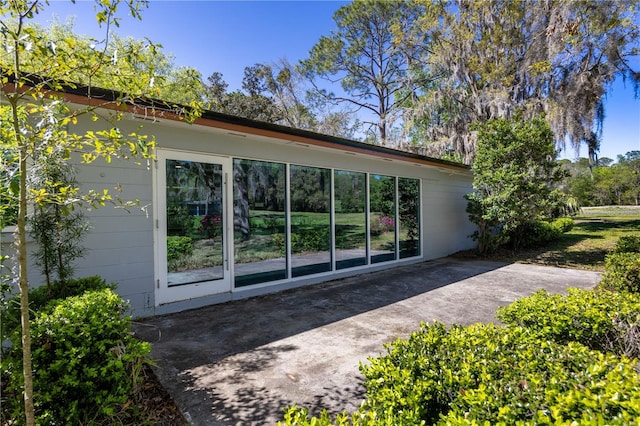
{"x":362,"y":54}
{"x":514,"y":170}
{"x":606,"y":183}
{"x":278,"y":94}
{"x":492,"y":59}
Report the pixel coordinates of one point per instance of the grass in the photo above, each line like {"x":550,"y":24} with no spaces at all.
{"x":310,"y":233}
{"x":594,"y":235}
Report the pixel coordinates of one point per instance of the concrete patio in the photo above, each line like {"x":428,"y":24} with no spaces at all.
{"x":243,"y":362}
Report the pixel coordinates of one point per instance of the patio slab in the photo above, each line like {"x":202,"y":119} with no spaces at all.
{"x":243,"y":362}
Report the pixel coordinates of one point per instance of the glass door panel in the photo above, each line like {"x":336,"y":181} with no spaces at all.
{"x":195,"y":241}
{"x":382,"y":218}
{"x":350,"y":218}
{"x":409,"y":213}
{"x":191,"y":220}
{"x":310,"y":220}
{"x":259,"y":219}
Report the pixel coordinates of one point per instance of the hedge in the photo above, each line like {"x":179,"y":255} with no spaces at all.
{"x":622,"y":272}
{"x":86,"y":364}
{"x":601,"y":320}
{"x":487,"y":374}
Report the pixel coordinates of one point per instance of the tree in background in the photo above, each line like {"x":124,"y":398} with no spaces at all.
{"x":631,"y":162}
{"x":606,"y":183}
{"x":496,"y":59}
{"x":514,"y":171}
{"x":253,"y":104}
{"x":370,"y":64}
{"x":278,"y":94}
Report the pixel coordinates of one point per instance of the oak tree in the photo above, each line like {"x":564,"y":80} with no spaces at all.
{"x":494,"y":59}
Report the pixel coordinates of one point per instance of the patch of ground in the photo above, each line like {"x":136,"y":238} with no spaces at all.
{"x":155,"y":404}
{"x":594,"y":235}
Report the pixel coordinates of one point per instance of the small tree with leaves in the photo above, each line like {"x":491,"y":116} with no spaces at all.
{"x":57,"y":228}
{"x":513,"y":172}
{"x":38,"y":122}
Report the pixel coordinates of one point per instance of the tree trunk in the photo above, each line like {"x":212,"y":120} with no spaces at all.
{"x":241,"y":203}
{"x":21,"y":243}
{"x":382,"y":128}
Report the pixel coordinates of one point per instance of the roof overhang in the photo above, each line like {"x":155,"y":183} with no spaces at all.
{"x":153,"y":109}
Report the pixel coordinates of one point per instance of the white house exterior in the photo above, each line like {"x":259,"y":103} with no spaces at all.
{"x":264,"y":208}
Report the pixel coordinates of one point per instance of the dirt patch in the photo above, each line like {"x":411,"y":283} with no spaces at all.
{"x":155,"y":404}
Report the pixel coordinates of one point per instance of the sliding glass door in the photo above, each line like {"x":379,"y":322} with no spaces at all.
{"x":350,"y":217}
{"x":382,"y":218}
{"x":225,"y":223}
{"x":259,"y":218}
{"x":310,"y":189}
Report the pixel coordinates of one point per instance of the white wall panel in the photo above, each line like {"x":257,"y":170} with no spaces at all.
{"x":120,"y":243}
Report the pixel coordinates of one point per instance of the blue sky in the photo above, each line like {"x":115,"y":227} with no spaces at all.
{"x":227,"y":36}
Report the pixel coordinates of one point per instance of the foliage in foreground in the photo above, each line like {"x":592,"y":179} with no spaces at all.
{"x":41,"y":296}
{"x":601,"y":320}
{"x":561,"y":359}
{"x":86,"y":363}
{"x":622,"y":272}
{"x":499,"y":375}
{"x":628,"y":244}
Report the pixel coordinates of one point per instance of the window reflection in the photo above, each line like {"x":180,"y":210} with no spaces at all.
{"x":194,"y":222}
{"x":382,"y":218}
{"x":259,"y":221}
{"x":409,"y":213}
{"x":310,"y":220}
{"x":350,"y":219}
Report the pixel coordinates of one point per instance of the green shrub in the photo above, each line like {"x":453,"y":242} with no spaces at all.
{"x":311,"y":240}
{"x":564,"y":224}
{"x":621,"y":272}
{"x":39,"y":297}
{"x":297,"y":416}
{"x":178,"y":247}
{"x":600,"y":320}
{"x":484,"y":374}
{"x":279,"y":241}
{"x":532,"y":234}
{"x":628,"y":244}
{"x":86,"y":363}
{"x":178,"y":219}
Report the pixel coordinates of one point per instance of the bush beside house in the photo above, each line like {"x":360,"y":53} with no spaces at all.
{"x":86,"y":362}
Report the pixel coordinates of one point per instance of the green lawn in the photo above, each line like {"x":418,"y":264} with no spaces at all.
{"x":595,"y":233}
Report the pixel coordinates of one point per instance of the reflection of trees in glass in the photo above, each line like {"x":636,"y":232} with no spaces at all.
{"x":409,"y":212}
{"x":259,"y":205}
{"x":409,"y":206}
{"x":193,"y":189}
{"x":382,"y":196}
{"x":350,"y":218}
{"x":310,"y":189}
{"x":258,"y":185}
{"x":194,"y":219}
{"x":310,"y":219}
{"x":349,"y":191}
